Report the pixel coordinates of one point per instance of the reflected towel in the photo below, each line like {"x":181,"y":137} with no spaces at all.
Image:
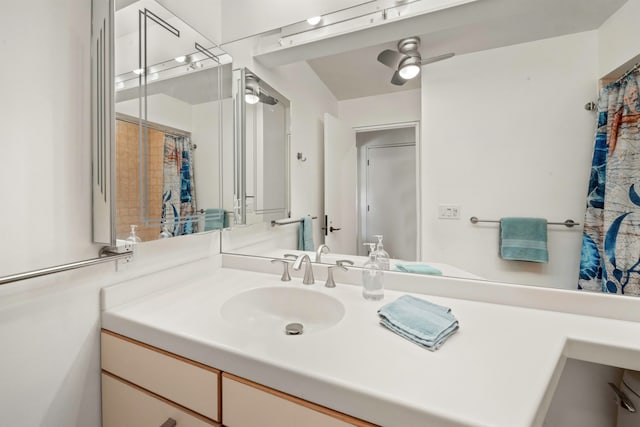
{"x":524,"y":239}
{"x":421,"y":322}
{"x":305,"y":234}
{"x":215,"y":219}
{"x":418,"y":269}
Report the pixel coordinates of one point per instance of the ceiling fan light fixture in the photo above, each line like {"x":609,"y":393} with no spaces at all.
{"x":409,"y":68}
{"x":250,"y":97}
{"x":409,"y":71}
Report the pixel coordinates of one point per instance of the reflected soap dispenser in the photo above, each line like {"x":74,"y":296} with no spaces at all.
{"x":382,"y":256}
{"x":133,"y":237}
{"x":372,"y":285}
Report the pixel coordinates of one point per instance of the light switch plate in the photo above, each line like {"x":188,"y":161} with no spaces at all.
{"x":449,"y":212}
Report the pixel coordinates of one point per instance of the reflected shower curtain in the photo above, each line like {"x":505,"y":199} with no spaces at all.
{"x":178,"y":193}
{"x":610,"y":260}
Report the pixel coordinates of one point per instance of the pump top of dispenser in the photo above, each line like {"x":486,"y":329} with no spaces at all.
{"x":133,"y":237}
{"x":381,"y":255}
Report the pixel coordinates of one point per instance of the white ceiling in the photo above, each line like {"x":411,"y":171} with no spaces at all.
{"x":478,"y":26}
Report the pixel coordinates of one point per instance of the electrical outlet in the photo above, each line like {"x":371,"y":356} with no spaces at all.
{"x":449,"y":212}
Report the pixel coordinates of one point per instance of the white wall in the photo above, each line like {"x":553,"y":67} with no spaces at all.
{"x":618,"y":39}
{"x":49,"y":327}
{"x":162,"y":109}
{"x":310,"y":100}
{"x":504,"y":133}
{"x":203,"y":15}
{"x":205,"y":119}
{"x":398,"y":107}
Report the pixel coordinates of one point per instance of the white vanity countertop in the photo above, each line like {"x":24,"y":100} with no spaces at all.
{"x":499,"y":369}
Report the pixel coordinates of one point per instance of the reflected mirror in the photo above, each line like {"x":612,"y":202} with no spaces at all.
{"x":498,"y":130}
{"x":261,"y":184}
{"x":170,"y":87}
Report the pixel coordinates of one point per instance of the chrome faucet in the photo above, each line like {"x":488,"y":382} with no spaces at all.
{"x":322,"y":249}
{"x":308,"y":268}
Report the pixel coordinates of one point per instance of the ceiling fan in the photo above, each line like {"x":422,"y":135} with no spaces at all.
{"x":254,"y":93}
{"x":407,"y":60}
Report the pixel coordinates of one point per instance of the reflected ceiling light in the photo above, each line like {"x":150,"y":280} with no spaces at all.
{"x":180,"y":58}
{"x":410,"y":68}
{"x":251,"y":89}
{"x":314,"y":20}
{"x":138,"y":71}
{"x":250,"y":97}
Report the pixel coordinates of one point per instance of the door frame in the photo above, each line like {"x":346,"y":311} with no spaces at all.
{"x":397,"y":125}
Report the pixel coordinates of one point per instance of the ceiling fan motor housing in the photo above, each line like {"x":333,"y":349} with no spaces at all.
{"x":409,"y":46}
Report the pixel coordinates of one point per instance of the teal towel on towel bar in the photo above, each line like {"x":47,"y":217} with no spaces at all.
{"x":524,"y":239}
{"x":418,"y":269}
{"x":214,"y":219}
{"x":421,"y":322}
{"x":305,"y":234}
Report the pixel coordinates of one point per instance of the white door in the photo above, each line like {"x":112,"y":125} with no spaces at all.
{"x":391,"y":199}
{"x":340,"y":180}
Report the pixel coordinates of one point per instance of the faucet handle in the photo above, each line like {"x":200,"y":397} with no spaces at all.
{"x":286,"y":277}
{"x":331,"y":283}
{"x":341,"y":262}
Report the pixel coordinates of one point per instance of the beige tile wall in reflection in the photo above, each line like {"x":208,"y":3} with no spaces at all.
{"x":128,"y":209}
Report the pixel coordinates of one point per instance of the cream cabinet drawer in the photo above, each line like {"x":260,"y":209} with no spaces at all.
{"x":126,"y":406}
{"x":246,"y":404}
{"x":186,"y":383}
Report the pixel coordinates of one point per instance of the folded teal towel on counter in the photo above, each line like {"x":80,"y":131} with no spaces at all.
{"x":418,"y":269}
{"x":214,"y":219}
{"x":305,"y":234}
{"x":421,"y":322}
{"x":524,"y":239}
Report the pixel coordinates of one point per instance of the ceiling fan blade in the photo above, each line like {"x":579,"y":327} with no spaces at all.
{"x":391,"y":58}
{"x":437,"y":58}
{"x":267,"y":99}
{"x":397,"y":80}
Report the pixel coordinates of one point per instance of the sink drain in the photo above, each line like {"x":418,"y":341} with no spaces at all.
{"x":293,"y":329}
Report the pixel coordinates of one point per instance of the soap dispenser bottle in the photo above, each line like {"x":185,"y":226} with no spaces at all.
{"x":372,"y":286}
{"x":382,"y":256}
{"x":133,"y":237}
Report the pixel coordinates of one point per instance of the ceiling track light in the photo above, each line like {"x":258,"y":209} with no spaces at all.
{"x":314,"y":20}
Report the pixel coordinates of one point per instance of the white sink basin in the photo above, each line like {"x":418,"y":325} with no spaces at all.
{"x":270,"y":309}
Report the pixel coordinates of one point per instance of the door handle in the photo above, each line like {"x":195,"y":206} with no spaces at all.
{"x":332,"y":229}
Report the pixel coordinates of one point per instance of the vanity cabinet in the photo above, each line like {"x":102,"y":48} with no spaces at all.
{"x":145,"y":386}
{"x":247,"y":404}
{"x":144,"y":372}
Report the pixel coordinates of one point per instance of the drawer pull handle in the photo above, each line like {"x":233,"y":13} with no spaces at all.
{"x":169,"y":423}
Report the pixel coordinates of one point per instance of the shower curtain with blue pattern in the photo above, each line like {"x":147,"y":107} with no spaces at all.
{"x":610,"y":260}
{"x":178,"y":193}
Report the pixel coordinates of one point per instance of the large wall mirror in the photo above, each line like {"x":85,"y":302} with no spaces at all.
{"x":498,"y":130}
{"x":170,"y":89}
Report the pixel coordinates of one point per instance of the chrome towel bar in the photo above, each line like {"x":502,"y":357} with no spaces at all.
{"x":106,"y":256}
{"x":275,"y":222}
{"x":567,"y":223}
